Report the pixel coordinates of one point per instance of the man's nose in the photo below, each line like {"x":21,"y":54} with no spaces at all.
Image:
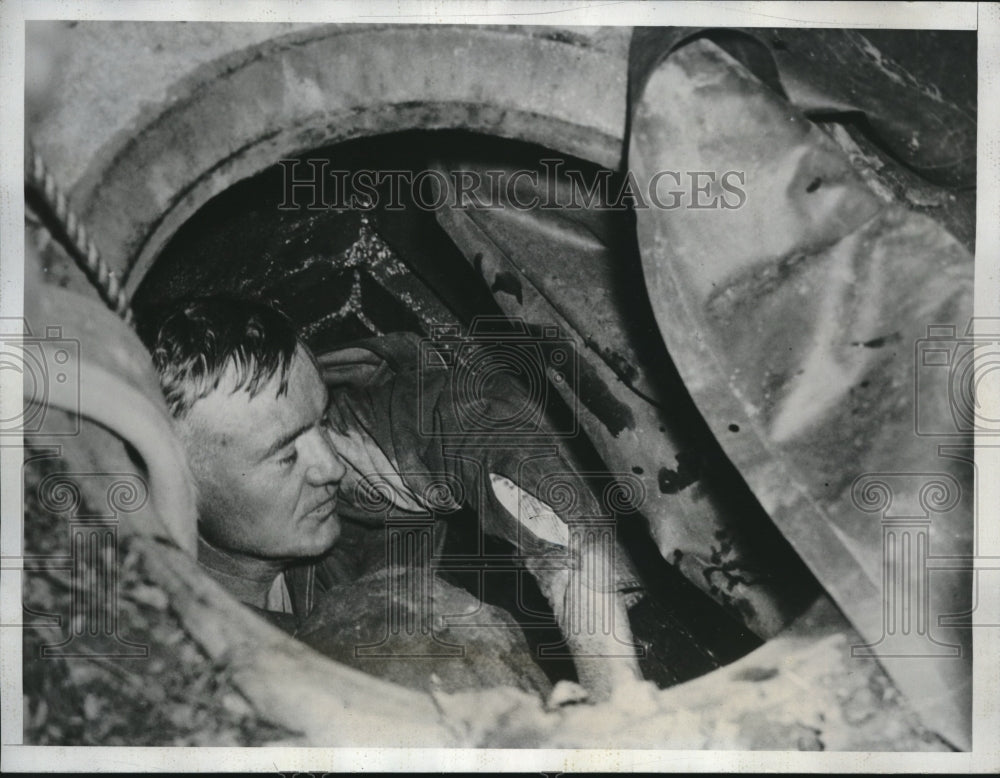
{"x":325,"y":466}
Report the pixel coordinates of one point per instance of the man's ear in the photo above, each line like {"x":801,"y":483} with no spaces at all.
{"x":194,"y":440}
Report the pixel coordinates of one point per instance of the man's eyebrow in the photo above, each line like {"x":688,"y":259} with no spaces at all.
{"x":284,"y":440}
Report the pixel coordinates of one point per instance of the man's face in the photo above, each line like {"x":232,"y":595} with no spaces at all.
{"x":266,"y":471}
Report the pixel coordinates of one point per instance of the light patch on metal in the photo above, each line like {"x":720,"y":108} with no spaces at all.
{"x":530,"y":512}
{"x":829,"y":370}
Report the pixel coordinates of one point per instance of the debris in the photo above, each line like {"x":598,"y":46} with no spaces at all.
{"x":566,"y":693}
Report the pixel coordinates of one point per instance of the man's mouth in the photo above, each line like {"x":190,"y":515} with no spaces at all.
{"x":323,"y":509}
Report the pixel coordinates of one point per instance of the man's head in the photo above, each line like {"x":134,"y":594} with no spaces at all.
{"x":249,"y":406}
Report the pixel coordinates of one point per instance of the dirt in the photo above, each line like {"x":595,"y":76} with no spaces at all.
{"x":172,"y":696}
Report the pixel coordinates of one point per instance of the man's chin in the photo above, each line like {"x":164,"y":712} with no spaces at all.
{"x":332,"y":527}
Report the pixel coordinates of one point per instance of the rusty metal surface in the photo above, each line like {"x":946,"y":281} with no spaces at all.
{"x":794,"y":321}
{"x":577,"y":269}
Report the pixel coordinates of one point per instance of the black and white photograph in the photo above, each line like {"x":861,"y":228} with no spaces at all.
{"x":498,"y":386}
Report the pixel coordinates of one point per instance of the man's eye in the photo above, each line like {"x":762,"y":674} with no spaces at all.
{"x":289,"y":459}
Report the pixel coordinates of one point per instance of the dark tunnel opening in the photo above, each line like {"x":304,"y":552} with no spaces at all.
{"x":343,"y":274}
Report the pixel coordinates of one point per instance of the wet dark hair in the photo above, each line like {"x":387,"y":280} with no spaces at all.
{"x":194,"y":341}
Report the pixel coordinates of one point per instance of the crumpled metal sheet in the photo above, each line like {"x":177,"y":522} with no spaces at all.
{"x":923,"y":115}
{"x":795,"y":321}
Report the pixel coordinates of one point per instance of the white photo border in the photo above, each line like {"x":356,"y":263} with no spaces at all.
{"x":985,"y":18}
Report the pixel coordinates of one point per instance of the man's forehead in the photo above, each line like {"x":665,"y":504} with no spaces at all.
{"x":231,"y":416}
